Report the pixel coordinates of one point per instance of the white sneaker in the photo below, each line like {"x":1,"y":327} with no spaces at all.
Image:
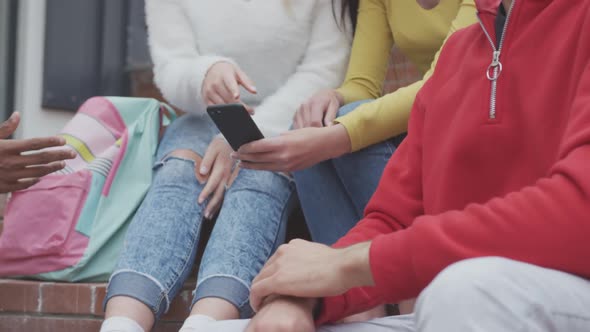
{"x":196,"y":323}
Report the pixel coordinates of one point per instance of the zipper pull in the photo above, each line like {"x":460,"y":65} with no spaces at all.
{"x":495,"y":68}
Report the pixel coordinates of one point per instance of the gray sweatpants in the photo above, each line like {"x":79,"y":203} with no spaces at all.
{"x":485,"y":294}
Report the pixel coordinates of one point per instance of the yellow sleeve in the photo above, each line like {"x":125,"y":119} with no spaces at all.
{"x":370,"y":53}
{"x":388,"y":116}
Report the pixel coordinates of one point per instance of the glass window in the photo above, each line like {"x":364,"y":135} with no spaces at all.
{"x":8,"y":11}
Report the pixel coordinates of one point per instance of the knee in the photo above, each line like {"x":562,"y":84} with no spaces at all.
{"x":351,"y":107}
{"x":466,"y":286}
{"x":180,"y":164}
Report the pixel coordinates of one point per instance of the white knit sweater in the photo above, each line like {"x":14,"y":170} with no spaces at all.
{"x":290,"y":48}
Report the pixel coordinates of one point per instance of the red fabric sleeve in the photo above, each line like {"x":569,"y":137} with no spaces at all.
{"x":546,"y":224}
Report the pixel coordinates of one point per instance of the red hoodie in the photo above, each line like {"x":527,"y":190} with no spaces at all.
{"x":473,"y":179}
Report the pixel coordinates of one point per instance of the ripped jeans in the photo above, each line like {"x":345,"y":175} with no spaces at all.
{"x":162,"y":239}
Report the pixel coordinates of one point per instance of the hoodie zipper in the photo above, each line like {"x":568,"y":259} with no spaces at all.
{"x":495,"y":68}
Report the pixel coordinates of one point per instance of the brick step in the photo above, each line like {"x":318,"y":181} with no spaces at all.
{"x":34,"y":306}
{"x":37,"y":306}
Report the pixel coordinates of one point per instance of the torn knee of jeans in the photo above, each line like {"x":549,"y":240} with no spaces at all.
{"x":186,"y":155}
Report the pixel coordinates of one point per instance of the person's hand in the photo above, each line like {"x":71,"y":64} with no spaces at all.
{"x":284,"y":314}
{"x":215,"y":170}
{"x":221,"y":85}
{"x":21,"y":163}
{"x":295,"y":150}
{"x":319,"y":111}
{"x":312,"y":270}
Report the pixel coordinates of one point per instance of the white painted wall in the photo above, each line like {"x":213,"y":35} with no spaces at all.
{"x":36,"y":121}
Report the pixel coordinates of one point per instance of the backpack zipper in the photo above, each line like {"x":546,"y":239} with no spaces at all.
{"x":495,"y":68}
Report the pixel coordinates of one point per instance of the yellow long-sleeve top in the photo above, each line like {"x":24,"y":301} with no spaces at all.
{"x":419,"y":34}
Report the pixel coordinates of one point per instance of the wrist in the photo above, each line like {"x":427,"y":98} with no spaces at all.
{"x":309,"y":305}
{"x":338,"y":140}
{"x":356,"y":265}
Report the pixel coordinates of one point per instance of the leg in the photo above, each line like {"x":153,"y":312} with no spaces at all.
{"x":497,"y":294}
{"x":162,"y":238}
{"x":388,"y":324}
{"x":360,"y":172}
{"x":329,"y":210}
{"x":250,"y":226}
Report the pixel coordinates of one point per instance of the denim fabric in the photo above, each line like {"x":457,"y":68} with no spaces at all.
{"x":162,"y":239}
{"x":334,"y":193}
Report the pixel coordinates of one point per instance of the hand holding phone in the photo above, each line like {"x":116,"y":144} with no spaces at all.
{"x":235,"y":123}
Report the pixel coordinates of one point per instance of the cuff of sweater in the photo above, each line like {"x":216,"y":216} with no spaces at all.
{"x":332,"y":308}
{"x":392,"y":266}
{"x":355,"y":135}
{"x":351,"y":93}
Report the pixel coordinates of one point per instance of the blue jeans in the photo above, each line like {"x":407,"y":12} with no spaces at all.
{"x":162,"y":239}
{"x":334,"y":193}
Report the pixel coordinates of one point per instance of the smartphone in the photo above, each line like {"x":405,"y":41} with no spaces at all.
{"x":235,"y":123}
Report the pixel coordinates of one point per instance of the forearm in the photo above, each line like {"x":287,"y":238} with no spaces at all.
{"x":370,"y":53}
{"x":336,"y":141}
{"x":382,"y":119}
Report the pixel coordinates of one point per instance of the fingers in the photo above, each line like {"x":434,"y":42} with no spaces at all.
{"x":245,"y":81}
{"x":20,"y":185}
{"x":215,"y":99}
{"x":269,"y":267}
{"x":8,"y":127}
{"x":35,"y":171}
{"x":211,"y":185}
{"x":331,"y":112}
{"x":40,"y":158}
{"x":316,"y":114}
{"x":305,"y":116}
{"x":261,"y":146}
{"x":217,"y":179}
{"x":261,"y":290}
{"x":219,"y":92}
{"x":215,"y":202}
{"x":208,"y":160}
{"x":226,"y":95}
{"x":263,"y":158}
{"x":298,"y":119}
{"x":271,"y":167}
{"x":34,"y":144}
{"x":265,"y":155}
{"x":232,"y":87}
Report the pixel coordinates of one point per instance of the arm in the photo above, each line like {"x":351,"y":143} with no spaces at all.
{"x":545,"y":224}
{"x":322,"y":67}
{"x":371,"y":48}
{"x":388,"y":116}
{"x":179,"y":68}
